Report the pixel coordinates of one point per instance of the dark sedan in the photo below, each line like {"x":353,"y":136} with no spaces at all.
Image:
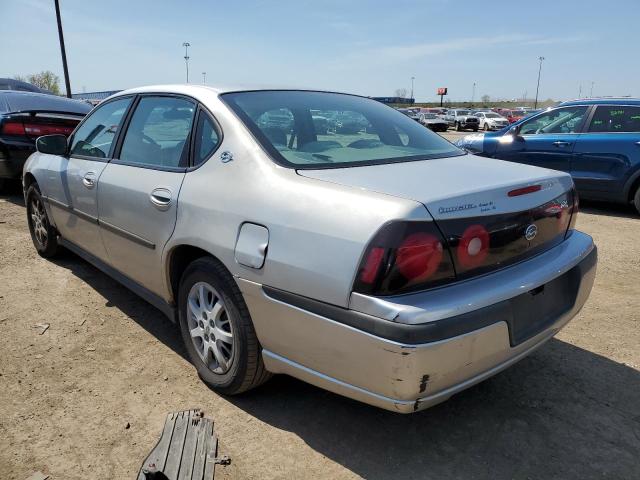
{"x":24,"y":116}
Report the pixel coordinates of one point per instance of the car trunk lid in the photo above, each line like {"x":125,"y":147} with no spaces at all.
{"x":491,"y":213}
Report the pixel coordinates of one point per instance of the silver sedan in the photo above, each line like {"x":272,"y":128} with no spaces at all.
{"x":374,"y":259}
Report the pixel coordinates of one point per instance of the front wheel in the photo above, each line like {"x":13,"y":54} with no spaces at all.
{"x":458,"y":127}
{"x":486,"y":127}
{"x":217,"y":329}
{"x":43,"y":234}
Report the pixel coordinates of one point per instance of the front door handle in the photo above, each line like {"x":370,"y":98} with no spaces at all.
{"x":562,"y":144}
{"x":161,"y":198}
{"x":89,"y":179}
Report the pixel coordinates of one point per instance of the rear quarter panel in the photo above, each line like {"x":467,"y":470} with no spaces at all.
{"x":317,"y":230}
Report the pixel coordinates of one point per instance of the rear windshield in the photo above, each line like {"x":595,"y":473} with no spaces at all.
{"x":303,"y":129}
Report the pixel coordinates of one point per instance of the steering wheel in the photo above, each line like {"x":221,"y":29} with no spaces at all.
{"x":150,"y":140}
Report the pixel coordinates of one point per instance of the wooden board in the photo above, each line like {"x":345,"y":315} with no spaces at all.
{"x":186,"y":450}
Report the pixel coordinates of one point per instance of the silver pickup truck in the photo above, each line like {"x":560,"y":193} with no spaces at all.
{"x":462,"y":120}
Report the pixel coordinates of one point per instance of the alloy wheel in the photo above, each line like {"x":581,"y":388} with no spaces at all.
{"x":210,"y":327}
{"x":39,"y":221}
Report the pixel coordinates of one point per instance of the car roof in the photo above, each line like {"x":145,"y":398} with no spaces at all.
{"x":12,"y":101}
{"x":603,"y":101}
{"x":19,"y":85}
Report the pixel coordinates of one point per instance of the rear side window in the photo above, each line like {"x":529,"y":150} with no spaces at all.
{"x":615,"y":118}
{"x":207,"y":138}
{"x":95,"y":136}
{"x":158,"y":133}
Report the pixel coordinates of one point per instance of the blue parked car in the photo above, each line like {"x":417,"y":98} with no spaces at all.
{"x":597,"y":141}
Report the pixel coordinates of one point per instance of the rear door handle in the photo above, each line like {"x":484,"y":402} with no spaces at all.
{"x":562,"y":144}
{"x":89,"y":179}
{"x":161,"y":198}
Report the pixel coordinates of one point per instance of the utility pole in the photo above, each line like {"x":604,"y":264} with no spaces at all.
{"x":67,"y":84}
{"x":412,"y":79}
{"x":591,"y":96}
{"x":186,"y":46}
{"x":204,"y":78}
{"x":538,"y":87}
{"x":580,"y":91}
{"x":473,"y":94}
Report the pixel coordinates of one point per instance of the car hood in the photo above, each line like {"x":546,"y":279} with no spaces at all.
{"x":454,"y":187}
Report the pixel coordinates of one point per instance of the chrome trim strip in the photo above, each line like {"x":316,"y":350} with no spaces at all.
{"x":463,"y":297}
{"x":112,"y":228}
{"x":128,"y":235}
{"x":70,"y":209}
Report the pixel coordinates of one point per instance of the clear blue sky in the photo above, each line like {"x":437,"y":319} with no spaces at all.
{"x":364,"y":47}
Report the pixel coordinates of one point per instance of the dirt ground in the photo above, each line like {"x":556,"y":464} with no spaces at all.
{"x":108,"y":360}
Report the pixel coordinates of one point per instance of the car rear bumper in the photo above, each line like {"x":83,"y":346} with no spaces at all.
{"x":404,"y":366}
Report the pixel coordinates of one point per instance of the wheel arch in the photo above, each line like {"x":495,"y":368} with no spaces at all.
{"x":177,"y":261}
{"x":632,"y":185}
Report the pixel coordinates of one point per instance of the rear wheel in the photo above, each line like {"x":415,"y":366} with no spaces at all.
{"x":217,"y":329}
{"x":43,"y":234}
{"x":636,"y":200}
{"x":486,"y":127}
{"x":458,"y":127}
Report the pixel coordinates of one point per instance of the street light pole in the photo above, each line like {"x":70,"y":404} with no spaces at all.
{"x":186,"y":46}
{"x":67,"y":84}
{"x":473,"y":94}
{"x":204,"y":78}
{"x":412,"y":79}
{"x":538,"y":87}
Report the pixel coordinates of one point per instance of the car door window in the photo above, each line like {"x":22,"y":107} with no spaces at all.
{"x":559,"y":120}
{"x":615,"y":118}
{"x":207,"y":138}
{"x":97,"y":132}
{"x":158,"y":133}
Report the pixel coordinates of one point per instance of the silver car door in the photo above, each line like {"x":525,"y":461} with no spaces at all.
{"x":138,"y":194}
{"x":72,"y":185}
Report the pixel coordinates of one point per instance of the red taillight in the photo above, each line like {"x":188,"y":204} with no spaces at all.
{"x":372,"y":265}
{"x":32,"y":129}
{"x":473,"y":247}
{"x":524,"y":190}
{"x":404,"y":257}
{"x":13,"y":128}
{"x":419,"y":256}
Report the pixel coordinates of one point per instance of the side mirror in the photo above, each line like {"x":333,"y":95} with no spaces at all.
{"x":52,"y":144}
{"x":515,"y":131}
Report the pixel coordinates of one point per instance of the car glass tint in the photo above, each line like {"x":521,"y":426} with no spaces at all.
{"x":207,"y":139}
{"x":158,"y":132}
{"x":96,"y":134}
{"x":615,"y":118}
{"x":304,"y":129}
{"x":560,"y":120}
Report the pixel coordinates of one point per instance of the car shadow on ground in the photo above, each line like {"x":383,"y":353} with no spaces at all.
{"x":608,"y":209}
{"x":563,"y":412}
{"x":12,"y":192}
{"x":116,"y":295}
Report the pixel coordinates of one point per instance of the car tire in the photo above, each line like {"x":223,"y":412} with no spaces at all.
{"x":636,"y":200}
{"x":458,"y":127}
{"x":475,"y":129}
{"x":486,"y":127}
{"x":2,"y":184}
{"x":231,"y":363}
{"x":43,"y":234}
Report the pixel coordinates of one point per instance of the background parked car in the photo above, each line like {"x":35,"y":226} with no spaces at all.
{"x":24,"y":116}
{"x":491,"y":121}
{"x":512,"y":115}
{"x":462,"y":120}
{"x":596,"y":141}
{"x":433,"y":121}
{"x":20,"y":86}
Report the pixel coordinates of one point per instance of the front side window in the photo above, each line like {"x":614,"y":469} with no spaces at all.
{"x":303,"y":129}
{"x":615,"y":118}
{"x":559,"y":120}
{"x":96,"y":134}
{"x":158,"y":133}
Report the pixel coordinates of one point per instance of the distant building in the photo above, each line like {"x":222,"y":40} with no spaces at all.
{"x":395,"y":100}
{"x":94,"y":97}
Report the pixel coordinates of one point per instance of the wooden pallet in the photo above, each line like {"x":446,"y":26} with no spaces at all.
{"x":186,"y":450}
